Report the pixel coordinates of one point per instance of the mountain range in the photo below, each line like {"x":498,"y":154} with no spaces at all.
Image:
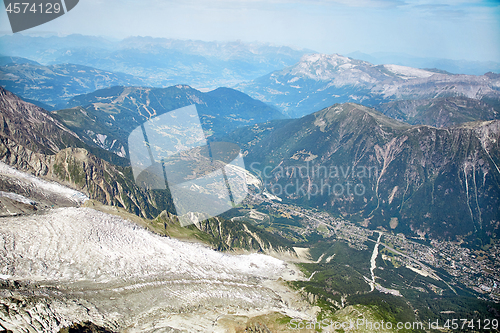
{"x":446,"y":65}
{"x":159,"y":62}
{"x":385,"y":192}
{"x":361,"y":165}
{"x":441,"y":111}
{"x":315,"y":82}
{"x":406,"y":181}
{"x":33,"y":140}
{"x":435,"y":108}
{"x":107,"y":117}
{"x":409,"y":174}
{"x":51,"y":87}
{"x":318,"y":81}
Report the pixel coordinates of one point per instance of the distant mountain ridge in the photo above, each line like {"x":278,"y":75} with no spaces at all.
{"x":55,"y":85}
{"x":449,"y":65}
{"x":313,"y":83}
{"x":320,"y":80}
{"x":440,"y":112}
{"x":5,"y":60}
{"x":159,"y":62}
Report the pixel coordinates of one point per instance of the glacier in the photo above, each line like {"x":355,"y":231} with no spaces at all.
{"x":64,"y":265}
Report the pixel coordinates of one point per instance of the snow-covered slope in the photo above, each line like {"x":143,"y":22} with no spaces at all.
{"x":79,"y":264}
{"x":37,"y":190}
{"x":408,"y":72}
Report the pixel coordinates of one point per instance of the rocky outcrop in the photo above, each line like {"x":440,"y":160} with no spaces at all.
{"x":31,"y":140}
{"x":257,"y":328}
{"x":86,"y":327}
{"x":79,"y":169}
{"x":227,"y":235}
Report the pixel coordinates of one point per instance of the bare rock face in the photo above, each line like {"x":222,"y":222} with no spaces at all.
{"x":79,"y":169}
{"x":32,"y":140}
{"x":32,"y":126}
{"x":258,"y":328}
{"x":86,"y":327}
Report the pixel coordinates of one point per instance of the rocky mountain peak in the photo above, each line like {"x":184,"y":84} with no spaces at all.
{"x":331,"y":58}
{"x":323,"y":66}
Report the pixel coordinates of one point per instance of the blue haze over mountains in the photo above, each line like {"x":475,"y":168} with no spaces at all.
{"x":159,"y":62}
{"x":74,"y":74}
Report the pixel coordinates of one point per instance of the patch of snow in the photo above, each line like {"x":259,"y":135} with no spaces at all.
{"x":122,"y":152}
{"x":330,"y":258}
{"x":311,"y":57}
{"x":271,"y":196}
{"x":101,"y":138}
{"x":346,"y":66}
{"x":321,"y":66}
{"x":408,"y":72}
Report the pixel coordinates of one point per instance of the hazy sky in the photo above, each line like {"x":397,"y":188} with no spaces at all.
{"x":454,"y":29}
